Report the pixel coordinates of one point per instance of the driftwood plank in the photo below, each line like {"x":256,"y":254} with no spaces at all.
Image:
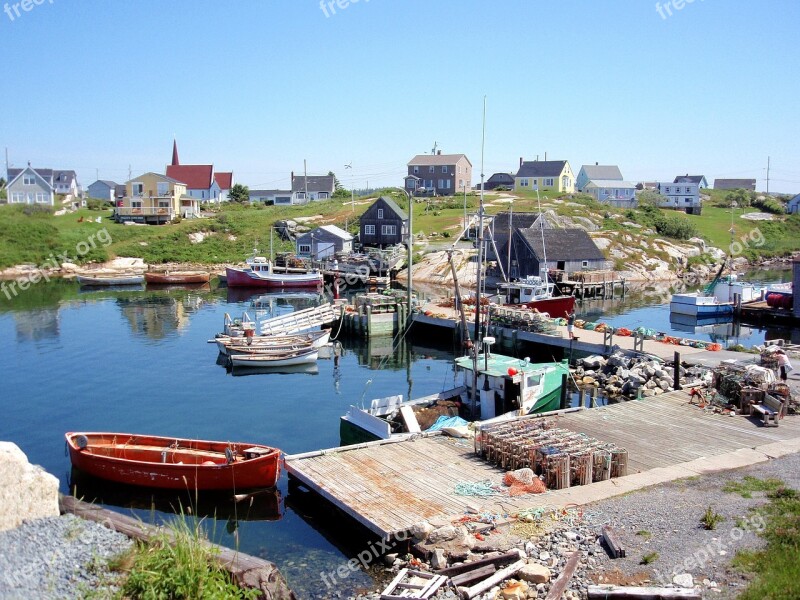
{"x":508,"y":557}
{"x":247,"y":571}
{"x":560,"y":584}
{"x":613,"y":592}
{"x":474,"y":575}
{"x":615,"y":548}
{"x":492,"y":581}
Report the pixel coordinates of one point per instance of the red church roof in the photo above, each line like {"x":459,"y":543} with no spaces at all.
{"x":175,"y":160}
{"x":196,"y":177}
{"x":224,"y":180}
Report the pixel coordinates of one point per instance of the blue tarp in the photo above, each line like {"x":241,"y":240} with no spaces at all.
{"x":443,"y":422}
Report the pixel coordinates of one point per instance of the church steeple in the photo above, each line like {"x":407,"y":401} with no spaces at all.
{"x":175,"y":160}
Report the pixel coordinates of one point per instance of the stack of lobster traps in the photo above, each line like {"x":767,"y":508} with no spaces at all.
{"x":562,"y":457}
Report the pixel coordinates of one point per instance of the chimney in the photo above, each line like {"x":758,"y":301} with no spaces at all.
{"x":596,"y":163}
{"x":438,"y":153}
{"x":520,"y":162}
{"x":545,"y":156}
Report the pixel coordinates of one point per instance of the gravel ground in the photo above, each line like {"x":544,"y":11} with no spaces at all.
{"x":58,"y":557}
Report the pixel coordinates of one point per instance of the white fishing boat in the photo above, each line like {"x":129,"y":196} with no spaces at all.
{"x":717,"y":300}
{"x":109,"y":280}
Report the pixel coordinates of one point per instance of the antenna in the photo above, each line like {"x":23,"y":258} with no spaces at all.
{"x":435,"y":144}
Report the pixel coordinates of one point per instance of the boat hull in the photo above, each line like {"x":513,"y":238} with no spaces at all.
{"x":278,"y":360}
{"x":557,"y":307}
{"x":174,"y":463}
{"x":99,"y":281}
{"x":315,"y":339}
{"x":694,"y":305}
{"x":247,"y":279}
{"x":176,"y":278}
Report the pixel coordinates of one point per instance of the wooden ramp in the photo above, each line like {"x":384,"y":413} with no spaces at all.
{"x":390,"y":486}
{"x":299,"y":320}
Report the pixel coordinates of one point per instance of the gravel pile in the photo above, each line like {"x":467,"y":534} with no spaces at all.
{"x":58,"y":557}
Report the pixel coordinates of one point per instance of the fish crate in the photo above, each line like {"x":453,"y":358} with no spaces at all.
{"x":619,"y":463}
{"x":601,"y":465}
{"x":769,"y":360}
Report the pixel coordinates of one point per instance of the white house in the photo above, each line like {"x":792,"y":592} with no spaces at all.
{"x":270,"y":196}
{"x":36,"y":186}
{"x":681,"y":196}
{"x":312,"y":188}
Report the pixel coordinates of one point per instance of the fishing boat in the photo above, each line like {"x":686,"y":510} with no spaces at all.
{"x":718,"y":299}
{"x":535,"y":293}
{"x":109,"y":280}
{"x":276,"y":358}
{"x":505,"y":387}
{"x":174,"y":463}
{"x":261,"y":273}
{"x":311,"y":339}
{"x":176,"y":277}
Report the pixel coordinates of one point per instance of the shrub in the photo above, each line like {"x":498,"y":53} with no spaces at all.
{"x":98,"y":204}
{"x":711,"y":519}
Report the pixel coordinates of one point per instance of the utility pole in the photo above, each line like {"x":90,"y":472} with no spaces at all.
{"x":480,"y":237}
{"x":410,"y":249}
{"x":6,"y":163}
{"x":768,"y":175}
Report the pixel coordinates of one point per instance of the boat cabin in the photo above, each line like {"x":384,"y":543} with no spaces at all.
{"x":526,"y":290}
{"x":506,"y":384}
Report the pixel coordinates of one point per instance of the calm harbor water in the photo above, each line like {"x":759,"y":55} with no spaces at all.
{"x":137,"y":361}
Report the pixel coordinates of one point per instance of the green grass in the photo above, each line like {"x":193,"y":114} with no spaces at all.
{"x":645,"y":534}
{"x":651,"y":557}
{"x":711,"y":519}
{"x":178,"y":566}
{"x":750,"y":484}
{"x":776,"y":568}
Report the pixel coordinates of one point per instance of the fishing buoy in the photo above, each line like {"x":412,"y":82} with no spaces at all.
{"x":82,"y":442}
{"x":512,"y":371}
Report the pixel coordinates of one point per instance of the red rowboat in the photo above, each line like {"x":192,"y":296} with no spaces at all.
{"x":174,"y":463}
{"x":177,"y":277}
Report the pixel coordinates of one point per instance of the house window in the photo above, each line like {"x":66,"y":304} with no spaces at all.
{"x":688,"y":190}
{"x":523,"y":183}
{"x":163,"y":188}
{"x":304,"y":248}
{"x":448,"y":184}
{"x":369,"y":229}
{"x":431,"y":169}
{"x":585,"y":264}
{"x":389,"y":230}
{"x":301,"y":195}
{"x":666,"y":190}
{"x":322,"y":196}
{"x":16,"y":197}
{"x":163,"y":204}
{"x":136,"y":204}
{"x":444,"y":169}
{"x":28,"y":180}
{"x":380,"y":213}
{"x":461,"y":183}
{"x":41,"y":197}
{"x":688,"y":200}
{"x":137,"y":189}
{"x":416,"y":170}
{"x":548,"y":182}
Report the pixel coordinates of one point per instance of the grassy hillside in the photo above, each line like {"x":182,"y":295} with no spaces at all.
{"x":28,"y":235}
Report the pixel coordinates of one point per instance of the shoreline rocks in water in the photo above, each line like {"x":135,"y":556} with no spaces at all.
{"x":26,"y":491}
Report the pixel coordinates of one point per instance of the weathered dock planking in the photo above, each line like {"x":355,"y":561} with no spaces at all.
{"x":390,"y":486}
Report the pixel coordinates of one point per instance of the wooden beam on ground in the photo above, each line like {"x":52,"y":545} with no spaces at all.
{"x":615,"y":548}
{"x":466,"y":578}
{"x":508,"y":557}
{"x":247,"y":571}
{"x":560,"y":584}
{"x":613,"y":592}
{"x":492,"y":581}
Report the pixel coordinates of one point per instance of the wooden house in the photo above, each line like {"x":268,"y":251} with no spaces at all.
{"x":383,"y":224}
{"x":567,"y":250}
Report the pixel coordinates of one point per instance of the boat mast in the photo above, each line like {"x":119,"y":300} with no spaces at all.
{"x":476,"y":348}
{"x":546,"y":277}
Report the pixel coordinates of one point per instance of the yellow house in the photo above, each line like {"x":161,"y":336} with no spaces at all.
{"x":154,"y":199}
{"x":545,"y":174}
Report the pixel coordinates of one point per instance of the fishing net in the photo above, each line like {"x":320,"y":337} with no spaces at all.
{"x":523,"y":481}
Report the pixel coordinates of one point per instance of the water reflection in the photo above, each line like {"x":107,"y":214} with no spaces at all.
{"x":262,"y":505}
{"x":37,"y":325}
{"x":156,"y":316}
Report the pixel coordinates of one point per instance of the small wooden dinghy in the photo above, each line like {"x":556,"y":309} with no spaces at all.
{"x":177,"y":277}
{"x":315,"y":339}
{"x":174,"y":463}
{"x":276,"y":359}
{"x":107,"y":280}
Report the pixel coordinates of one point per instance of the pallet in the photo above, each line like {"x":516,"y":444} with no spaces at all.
{"x":404,"y":585}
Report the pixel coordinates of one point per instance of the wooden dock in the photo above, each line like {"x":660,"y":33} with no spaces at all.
{"x":390,"y":486}
{"x":591,"y":342}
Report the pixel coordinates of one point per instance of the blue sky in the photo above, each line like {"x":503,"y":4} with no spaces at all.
{"x":258,"y":86}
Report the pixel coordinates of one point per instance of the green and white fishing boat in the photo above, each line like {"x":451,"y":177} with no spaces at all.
{"x":505,"y":387}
